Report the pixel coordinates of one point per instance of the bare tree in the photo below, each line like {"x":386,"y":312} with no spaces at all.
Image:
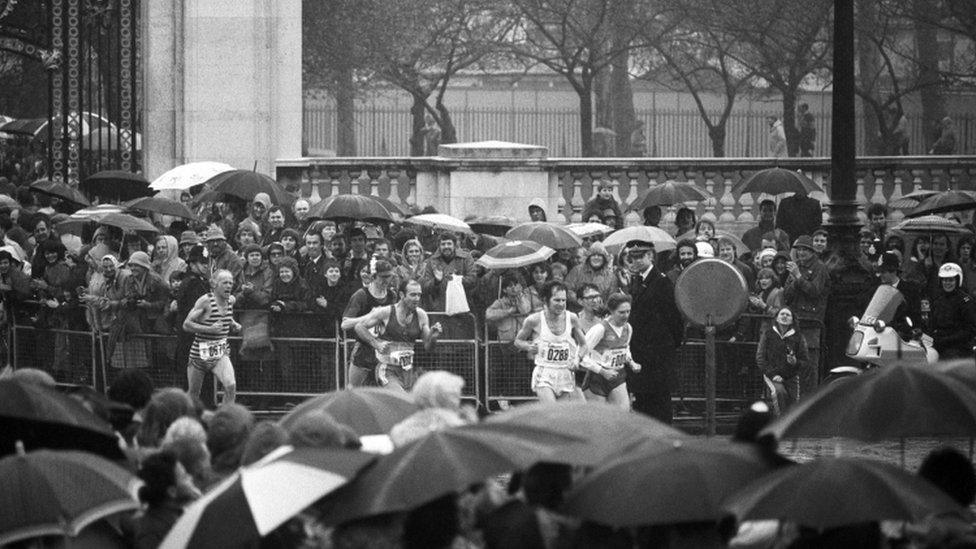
{"x":695,"y":55}
{"x":783,"y":42}
{"x":574,"y":38}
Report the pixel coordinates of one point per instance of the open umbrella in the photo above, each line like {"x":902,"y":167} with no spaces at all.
{"x":514,"y":254}
{"x":548,"y":234}
{"x":190,"y":175}
{"x":366,"y":410}
{"x":38,"y":127}
{"x":831,"y":492}
{"x":350,"y":207}
{"x":259,"y":498}
{"x":441,"y":463}
{"x":587,"y":230}
{"x":161,"y":205}
{"x":932,"y":224}
{"x":494,"y":225}
{"x":896,"y":401}
{"x":59,"y":190}
{"x":117,"y":185}
{"x":244,"y":184}
{"x":949,"y":201}
{"x":46,"y":493}
{"x":44,"y":418}
{"x":740,"y":246}
{"x":123,"y":221}
{"x":684,"y":483}
{"x":668,"y":193}
{"x":607,"y":431}
{"x":95,"y":213}
{"x":441,"y":222}
{"x":662,"y":240}
{"x":394,"y":207}
{"x":776,"y":181}
{"x":912,"y":199}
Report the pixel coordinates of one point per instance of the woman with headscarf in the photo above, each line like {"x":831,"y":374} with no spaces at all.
{"x":166,"y":259}
{"x":290,"y":294}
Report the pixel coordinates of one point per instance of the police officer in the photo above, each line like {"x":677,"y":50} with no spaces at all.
{"x":952,"y":321}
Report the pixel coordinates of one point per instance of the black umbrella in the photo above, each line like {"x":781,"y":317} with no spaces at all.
{"x":949,"y":201}
{"x":44,"y":418}
{"x":668,"y":193}
{"x":775,"y":181}
{"x":161,"y":205}
{"x":116,"y":185}
{"x":494,"y":225}
{"x":350,"y":207}
{"x":245,"y":184}
{"x":59,"y":190}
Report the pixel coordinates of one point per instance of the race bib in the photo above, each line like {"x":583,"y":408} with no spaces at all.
{"x":213,"y":350}
{"x":616,"y":359}
{"x":557,"y":353}
{"x":402,"y":358}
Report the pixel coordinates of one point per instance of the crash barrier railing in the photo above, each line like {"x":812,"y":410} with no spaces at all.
{"x":56,"y":340}
{"x":457,"y":351}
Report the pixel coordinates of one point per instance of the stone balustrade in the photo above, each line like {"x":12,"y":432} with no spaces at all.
{"x":573,"y":181}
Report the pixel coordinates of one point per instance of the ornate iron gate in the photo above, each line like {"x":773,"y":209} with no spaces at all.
{"x":91,"y":53}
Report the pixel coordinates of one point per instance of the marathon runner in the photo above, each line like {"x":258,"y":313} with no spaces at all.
{"x":400,"y":326}
{"x":610,"y":341}
{"x":211,"y":320}
{"x":554,"y":337}
{"x":376,"y":294}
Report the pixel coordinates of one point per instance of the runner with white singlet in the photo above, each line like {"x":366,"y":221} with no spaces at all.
{"x":610,"y":340}
{"x":399,"y":327}
{"x":211,"y":320}
{"x":553,"y":336}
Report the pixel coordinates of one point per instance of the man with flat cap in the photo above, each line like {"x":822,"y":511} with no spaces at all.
{"x":658,"y":331}
{"x":805,"y":293}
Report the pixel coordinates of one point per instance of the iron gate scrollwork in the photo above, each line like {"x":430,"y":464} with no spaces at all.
{"x":91,"y":53}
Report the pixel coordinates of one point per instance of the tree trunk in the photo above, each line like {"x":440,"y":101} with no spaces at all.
{"x":603,"y":115}
{"x":417,"y":111}
{"x":622,"y":101}
{"x":585,"y":93}
{"x":717,"y":134}
{"x":345,"y":113}
{"x":930,"y":92}
{"x":870,"y":69}
{"x":789,"y":122}
{"x":448,"y":131}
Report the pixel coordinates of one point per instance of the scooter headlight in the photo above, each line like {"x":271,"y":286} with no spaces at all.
{"x":855,"y":343}
{"x":853,"y":321}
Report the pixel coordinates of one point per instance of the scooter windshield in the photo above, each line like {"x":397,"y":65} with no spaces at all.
{"x":883,"y":305}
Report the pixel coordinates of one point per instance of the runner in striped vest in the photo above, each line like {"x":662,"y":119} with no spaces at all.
{"x":211,"y":320}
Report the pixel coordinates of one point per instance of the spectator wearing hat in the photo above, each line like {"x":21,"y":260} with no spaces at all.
{"x":166,"y":258}
{"x":537,"y":210}
{"x":805,"y":293}
{"x":604,"y":206}
{"x":658,"y":331}
{"x":908,"y":315}
{"x":596,"y":269}
{"x":188,"y":239}
{"x":106,"y":293}
{"x":248,"y":232}
{"x":146,"y":297}
{"x":221,"y":255}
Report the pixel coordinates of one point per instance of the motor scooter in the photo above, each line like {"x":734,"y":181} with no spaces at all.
{"x":875,"y":343}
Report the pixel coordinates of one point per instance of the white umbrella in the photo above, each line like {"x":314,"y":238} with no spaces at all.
{"x":96,"y":213}
{"x":660,"y":239}
{"x":109,"y":138}
{"x":441,"y":222}
{"x":189,"y":175}
{"x":586,"y":230}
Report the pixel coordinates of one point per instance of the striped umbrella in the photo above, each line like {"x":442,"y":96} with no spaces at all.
{"x":442,"y":222}
{"x":263,"y":496}
{"x":930,"y":224}
{"x":515,"y":254}
{"x":554,"y":236}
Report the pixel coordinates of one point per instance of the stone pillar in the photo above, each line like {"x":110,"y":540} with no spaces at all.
{"x":223,"y":82}
{"x":492,"y":178}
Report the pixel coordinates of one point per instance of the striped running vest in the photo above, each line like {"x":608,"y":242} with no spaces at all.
{"x":215,"y":317}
